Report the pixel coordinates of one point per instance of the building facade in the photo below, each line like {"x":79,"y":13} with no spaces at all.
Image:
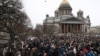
{"x":66,"y":22}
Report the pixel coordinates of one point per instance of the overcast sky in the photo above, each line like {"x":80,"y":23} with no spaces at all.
{"x":37,"y":9}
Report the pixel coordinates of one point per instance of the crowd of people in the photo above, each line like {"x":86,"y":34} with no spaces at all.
{"x":57,"y":46}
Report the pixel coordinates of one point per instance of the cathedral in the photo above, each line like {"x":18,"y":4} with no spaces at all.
{"x":66,"y":22}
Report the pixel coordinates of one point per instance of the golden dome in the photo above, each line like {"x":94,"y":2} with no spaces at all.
{"x":65,"y":5}
{"x":64,"y":2}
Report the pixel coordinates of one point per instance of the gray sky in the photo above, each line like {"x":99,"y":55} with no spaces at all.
{"x":37,"y":9}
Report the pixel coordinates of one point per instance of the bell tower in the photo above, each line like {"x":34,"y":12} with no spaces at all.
{"x":80,"y":14}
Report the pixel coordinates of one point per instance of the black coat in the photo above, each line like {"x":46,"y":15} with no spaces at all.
{"x":9,"y":54}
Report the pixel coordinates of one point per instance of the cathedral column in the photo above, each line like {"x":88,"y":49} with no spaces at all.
{"x":68,"y":12}
{"x":74,"y":28}
{"x":77,"y":28}
{"x":64,"y":28}
{"x":70,"y":28}
{"x":81,"y":28}
{"x":67,"y":27}
{"x":60,"y":28}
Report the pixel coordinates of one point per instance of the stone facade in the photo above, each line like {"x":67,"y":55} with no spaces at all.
{"x":66,"y":22}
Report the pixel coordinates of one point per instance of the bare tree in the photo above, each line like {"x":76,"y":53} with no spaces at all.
{"x":12,"y":19}
{"x":49,"y":29}
{"x":38,"y":31}
{"x":44,"y":30}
